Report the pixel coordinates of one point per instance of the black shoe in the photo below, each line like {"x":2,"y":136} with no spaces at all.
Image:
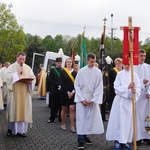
{"x":87,"y":141}
{"x":147,"y":141}
{"x":50,"y":121}
{"x":81,"y":145}
{"x":9,"y":132}
{"x":21,"y":135}
{"x":138,"y":143}
{"x":105,"y":120}
{"x":126,"y":147}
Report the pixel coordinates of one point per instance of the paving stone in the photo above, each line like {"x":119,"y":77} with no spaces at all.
{"x":49,"y":136}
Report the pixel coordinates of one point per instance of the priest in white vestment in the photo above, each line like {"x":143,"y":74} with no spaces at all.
{"x":120,"y":124}
{"x":143,"y":71}
{"x":19,"y":103}
{"x":88,"y":95}
{"x":3,"y":77}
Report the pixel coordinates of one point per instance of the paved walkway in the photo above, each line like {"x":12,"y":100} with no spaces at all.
{"x":45,"y":136}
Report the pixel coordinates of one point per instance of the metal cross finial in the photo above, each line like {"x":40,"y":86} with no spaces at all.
{"x":105,"y":21}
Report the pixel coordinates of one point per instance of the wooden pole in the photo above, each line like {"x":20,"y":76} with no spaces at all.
{"x":102,"y":47}
{"x":132,"y":78}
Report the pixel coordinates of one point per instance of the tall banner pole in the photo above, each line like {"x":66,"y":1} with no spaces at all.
{"x":132,"y":79}
{"x":131,"y":47}
{"x":102,"y":48}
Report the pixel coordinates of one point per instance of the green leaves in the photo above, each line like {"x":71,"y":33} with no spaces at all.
{"x":11,"y":35}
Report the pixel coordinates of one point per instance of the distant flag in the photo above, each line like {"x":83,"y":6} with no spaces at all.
{"x":72,"y":52}
{"x":83,"y":51}
{"x":103,"y":66}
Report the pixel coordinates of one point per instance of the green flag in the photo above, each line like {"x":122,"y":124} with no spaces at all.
{"x":83,"y":52}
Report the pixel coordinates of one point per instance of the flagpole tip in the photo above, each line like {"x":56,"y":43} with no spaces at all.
{"x":105,"y":19}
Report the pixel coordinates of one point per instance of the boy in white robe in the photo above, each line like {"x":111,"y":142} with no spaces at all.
{"x":143,"y":72}
{"x":88,"y":95}
{"x":120,"y":125}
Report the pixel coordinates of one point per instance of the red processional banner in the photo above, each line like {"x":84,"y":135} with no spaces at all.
{"x":136,"y":46}
{"x":126,"y":46}
{"x":125,"y":59}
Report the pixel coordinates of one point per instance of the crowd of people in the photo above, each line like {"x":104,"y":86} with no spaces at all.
{"x":79,"y":94}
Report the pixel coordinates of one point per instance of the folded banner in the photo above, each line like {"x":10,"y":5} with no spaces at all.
{"x":125,"y":46}
{"x":136,"y":46}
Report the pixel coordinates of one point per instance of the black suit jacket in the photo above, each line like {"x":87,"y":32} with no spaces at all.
{"x":112,"y":77}
{"x":66,"y":82}
{"x":54,"y":79}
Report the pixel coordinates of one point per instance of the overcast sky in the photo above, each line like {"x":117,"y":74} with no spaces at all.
{"x":68,"y":17}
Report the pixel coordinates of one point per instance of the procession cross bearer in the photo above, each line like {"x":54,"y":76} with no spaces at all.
{"x":130,"y":49}
{"x":127,"y":88}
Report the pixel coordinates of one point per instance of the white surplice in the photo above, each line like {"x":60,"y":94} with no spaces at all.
{"x":120,"y":124}
{"x":89,"y":86}
{"x":4,"y":88}
{"x":143,"y":71}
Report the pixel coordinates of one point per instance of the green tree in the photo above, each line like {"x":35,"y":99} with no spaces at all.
{"x":28,"y":38}
{"x":146,"y":46}
{"x":11,"y":35}
{"x":58,"y":43}
{"x":77,"y":43}
{"x":35,"y":46}
{"x":94,"y":46}
{"x":48,"y":43}
{"x":67,"y":44}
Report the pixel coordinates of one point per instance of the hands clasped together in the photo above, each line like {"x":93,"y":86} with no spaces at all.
{"x":70,"y":94}
{"x":85,"y":103}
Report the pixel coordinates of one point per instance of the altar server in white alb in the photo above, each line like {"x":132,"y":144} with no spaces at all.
{"x":142,"y":110}
{"x":120,"y":125}
{"x":19,"y":103}
{"x":88,"y":96}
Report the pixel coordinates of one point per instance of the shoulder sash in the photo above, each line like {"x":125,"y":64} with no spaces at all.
{"x":116,"y":70}
{"x":69,"y":74}
{"x":58,"y":74}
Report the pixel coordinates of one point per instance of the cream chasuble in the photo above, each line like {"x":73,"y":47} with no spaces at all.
{"x":42,"y":83}
{"x":19,"y":94}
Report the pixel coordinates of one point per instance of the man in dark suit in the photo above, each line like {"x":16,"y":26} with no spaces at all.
{"x":54,"y":78}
